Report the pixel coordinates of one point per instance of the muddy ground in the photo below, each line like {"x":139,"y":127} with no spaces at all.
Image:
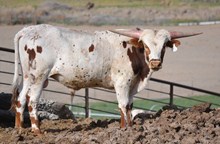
{"x":199,"y":124}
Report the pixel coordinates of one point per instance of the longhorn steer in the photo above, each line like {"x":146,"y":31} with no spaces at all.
{"x":122,"y":60}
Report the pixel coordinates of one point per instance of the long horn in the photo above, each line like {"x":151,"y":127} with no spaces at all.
{"x":175,"y":34}
{"x":133,"y":33}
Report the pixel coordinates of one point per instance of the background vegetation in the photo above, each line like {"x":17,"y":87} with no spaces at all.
{"x":112,"y":3}
{"x":108,"y":12}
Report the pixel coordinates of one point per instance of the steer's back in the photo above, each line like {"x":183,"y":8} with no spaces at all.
{"x":76,"y":59}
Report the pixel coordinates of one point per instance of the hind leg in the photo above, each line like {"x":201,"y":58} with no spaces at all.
{"x":32,"y":99}
{"x":20,"y":105}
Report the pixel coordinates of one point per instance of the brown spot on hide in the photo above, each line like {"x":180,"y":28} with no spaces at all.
{"x":33,"y":79}
{"x":122,"y":123}
{"x":39,"y":49}
{"x":18,"y":104}
{"x":129,"y":119}
{"x":136,"y":43}
{"x":91,"y":48}
{"x":141,"y":50}
{"x":134,"y":60}
{"x":15,"y":94}
{"x":18,"y":121}
{"x":124,"y":44}
{"x":138,"y":62}
{"x":27,"y":98}
{"x":147,"y":50}
{"x":30,"y":108}
{"x":129,"y":107}
{"x":35,"y":121}
{"x":25,"y":47}
{"x":32,"y":54}
{"x":25,"y":76}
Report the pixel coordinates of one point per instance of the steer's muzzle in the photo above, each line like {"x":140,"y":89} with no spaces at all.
{"x":155,"y":64}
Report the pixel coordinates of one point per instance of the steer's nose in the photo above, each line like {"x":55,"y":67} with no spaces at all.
{"x":155,"y":64}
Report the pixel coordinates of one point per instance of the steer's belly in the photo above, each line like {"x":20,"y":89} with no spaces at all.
{"x":77,"y":82}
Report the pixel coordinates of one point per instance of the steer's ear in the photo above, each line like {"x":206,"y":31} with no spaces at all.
{"x":173,"y":44}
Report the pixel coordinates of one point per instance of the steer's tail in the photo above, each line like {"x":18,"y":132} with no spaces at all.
{"x":16,"y":73}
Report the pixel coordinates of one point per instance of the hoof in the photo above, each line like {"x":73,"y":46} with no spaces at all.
{"x":37,"y":131}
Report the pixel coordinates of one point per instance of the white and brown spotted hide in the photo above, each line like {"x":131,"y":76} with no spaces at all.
{"x":78,"y":60}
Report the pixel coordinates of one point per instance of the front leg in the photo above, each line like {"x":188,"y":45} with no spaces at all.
{"x":126,"y":119}
{"x":122,"y":92}
{"x":128,"y":109}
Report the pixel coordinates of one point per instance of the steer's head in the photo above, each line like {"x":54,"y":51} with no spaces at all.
{"x":155,"y":43}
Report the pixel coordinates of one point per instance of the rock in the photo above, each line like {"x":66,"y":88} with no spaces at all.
{"x":90,"y":5}
{"x":47,"y":115}
{"x":47,"y":109}
{"x":55,"y":108}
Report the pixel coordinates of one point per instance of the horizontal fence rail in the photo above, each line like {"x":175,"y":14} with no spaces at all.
{"x":87,"y":98}
{"x":7,"y":50}
{"x":185,"y":86}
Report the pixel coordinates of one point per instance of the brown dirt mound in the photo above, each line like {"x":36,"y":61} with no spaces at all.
{"x":199,"y":124}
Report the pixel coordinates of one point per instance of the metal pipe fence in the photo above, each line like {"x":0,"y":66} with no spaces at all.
{"x":87,"y":98}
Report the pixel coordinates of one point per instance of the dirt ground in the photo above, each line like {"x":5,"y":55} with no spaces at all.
{"x":199,"y":124}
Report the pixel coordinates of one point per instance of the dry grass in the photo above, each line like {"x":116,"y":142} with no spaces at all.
{"x":107,"y":12}
{"x":113,"y":3}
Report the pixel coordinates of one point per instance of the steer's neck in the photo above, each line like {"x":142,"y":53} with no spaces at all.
{"x":143,"y":83}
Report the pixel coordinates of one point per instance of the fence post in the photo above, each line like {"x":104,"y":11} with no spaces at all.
{"x":171,"y":95}
{"x":86,"y":102}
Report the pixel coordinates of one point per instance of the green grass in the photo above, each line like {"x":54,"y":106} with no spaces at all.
{"x":147,"y":104}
